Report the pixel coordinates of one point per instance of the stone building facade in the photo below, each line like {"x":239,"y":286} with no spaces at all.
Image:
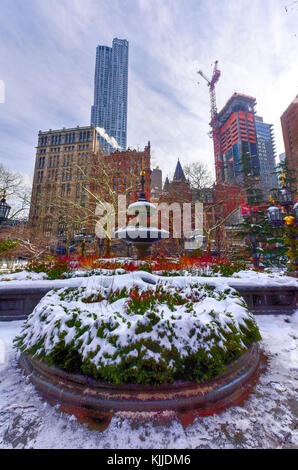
{"x":65,"y":167}
{"x":59,"y":153}
{"x":289,"y":124}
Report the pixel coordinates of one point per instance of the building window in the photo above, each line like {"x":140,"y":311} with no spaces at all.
{"x":40,"y":177}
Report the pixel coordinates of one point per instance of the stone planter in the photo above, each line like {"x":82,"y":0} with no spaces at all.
{"x":17,"y":303}
{"x":90,"y":398}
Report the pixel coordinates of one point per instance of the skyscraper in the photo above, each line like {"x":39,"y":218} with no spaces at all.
{"x":109,"y":110}
{"x":267,"y":154}
{"x":156,"y":184}
{"x":237,"y":132}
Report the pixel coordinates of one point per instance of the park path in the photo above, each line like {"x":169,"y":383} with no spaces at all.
{"x":268,"y":418}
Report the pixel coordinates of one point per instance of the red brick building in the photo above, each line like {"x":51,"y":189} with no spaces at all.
{"x":228,"y":198}
{"x":127,"y":163}
{"x":289,"y":124}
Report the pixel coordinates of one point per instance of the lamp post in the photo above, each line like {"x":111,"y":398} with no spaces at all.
{"x":285,"y":215}
{"x":83,"y":246}
{"x":4,"y":210}
{"x":83,"y":238}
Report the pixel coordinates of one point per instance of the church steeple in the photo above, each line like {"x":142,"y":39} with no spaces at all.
{"x":166,"y":185}
{"x":179,"y":173}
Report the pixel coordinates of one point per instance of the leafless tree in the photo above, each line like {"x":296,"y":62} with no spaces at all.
{"x":103,"y":184}
{"x":19,"y":241}
{"x":198,"y":175}
{"x":96,"y":185}
{"x":17,"y":193}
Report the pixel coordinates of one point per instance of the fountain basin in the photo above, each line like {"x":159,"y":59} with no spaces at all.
{"x":142,"y":234}
{"x":90,"y":397}
{"x":141,"y":237}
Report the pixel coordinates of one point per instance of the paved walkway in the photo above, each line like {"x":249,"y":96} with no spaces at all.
{"x":268,"y":418}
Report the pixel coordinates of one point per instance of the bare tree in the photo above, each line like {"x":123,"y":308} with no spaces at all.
{"x":20,"y":241}
{"x":103,"y":184}
{"x":198,"y":175}
{"x":96,"y":184}
{"x":18,"y":194}
{"x":210,"y":229}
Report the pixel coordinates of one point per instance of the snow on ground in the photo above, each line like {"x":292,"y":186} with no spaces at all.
{"x":23,"y":276}
{"x":251,"y":278}
{"x":268,"y":419}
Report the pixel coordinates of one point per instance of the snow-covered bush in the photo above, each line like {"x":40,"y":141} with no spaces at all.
{"x":138,"y":333}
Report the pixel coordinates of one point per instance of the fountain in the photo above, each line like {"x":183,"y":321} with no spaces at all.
{"x":142,"y":235}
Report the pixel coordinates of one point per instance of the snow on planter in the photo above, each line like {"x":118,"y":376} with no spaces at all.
{"x":125,"y":330}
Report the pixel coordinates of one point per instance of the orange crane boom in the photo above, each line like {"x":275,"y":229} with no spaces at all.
{"x":214,"y":117}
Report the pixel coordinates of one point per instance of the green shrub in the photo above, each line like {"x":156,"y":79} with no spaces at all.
{"x":150,"y":336}
{"x":227,"y":268}
{"x":7,"y":245}
{"x":55,"y":268}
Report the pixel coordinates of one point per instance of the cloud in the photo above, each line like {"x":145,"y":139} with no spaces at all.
{"x":111,"y":140}
{"x":48,"y":58}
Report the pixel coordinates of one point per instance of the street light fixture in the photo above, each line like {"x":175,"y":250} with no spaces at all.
{"x":4,"y":208}
{"x":286,"y":199}
{"x":275,"y":216}
{"x":83,"y":238}
{"x":296,"y":211}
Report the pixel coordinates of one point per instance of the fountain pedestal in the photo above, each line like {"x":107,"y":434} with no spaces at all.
{"x":142,"y":236}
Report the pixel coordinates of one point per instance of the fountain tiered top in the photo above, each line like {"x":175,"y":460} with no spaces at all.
{"x":142,"y":235}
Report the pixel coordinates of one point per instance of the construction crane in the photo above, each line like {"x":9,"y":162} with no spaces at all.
{"x":214,"y":117}
{"x":291,"y":6}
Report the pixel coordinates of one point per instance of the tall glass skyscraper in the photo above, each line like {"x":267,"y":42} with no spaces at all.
{"x":110,"y":93}
{"x":267,"y":154}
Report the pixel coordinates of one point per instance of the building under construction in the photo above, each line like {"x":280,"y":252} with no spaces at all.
{"x":236,"y":132}
{"x":233,"y":130}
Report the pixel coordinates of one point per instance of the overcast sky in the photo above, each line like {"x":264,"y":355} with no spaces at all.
{"x":47,"y":52}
